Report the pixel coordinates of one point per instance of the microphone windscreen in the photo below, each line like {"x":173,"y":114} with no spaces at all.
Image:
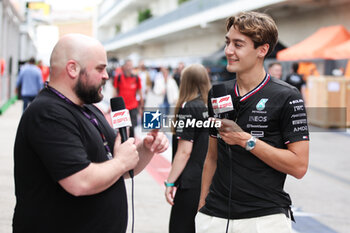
{"x":119,"y":114}
{"x":221,"y":101}
{"x":117,"y":103}
{"x":219,"y":90}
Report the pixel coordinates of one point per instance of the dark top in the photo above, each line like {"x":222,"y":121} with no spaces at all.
{"x":275,"y":113}
{"x":55,"y":140}
{"x":177,"y":77}
{"x":296,"y":80}
{"x":192,"y":111}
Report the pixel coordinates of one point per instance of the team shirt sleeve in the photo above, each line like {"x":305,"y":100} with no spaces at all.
{"x":294,"y":119}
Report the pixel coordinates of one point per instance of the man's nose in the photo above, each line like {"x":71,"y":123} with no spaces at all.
{"x":229,"y":49}
{"x":105,"y":75}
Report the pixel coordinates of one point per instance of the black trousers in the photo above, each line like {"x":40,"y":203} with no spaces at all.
{"x":184,"y":211}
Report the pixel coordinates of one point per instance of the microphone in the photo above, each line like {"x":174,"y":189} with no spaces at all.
{"x":120,"y":120}
{"x":221,"y":101}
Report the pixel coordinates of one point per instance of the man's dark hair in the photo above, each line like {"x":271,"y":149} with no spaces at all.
{"x":31,"y":60}
{"x":295,"y":67}
{"x":259,"y":27}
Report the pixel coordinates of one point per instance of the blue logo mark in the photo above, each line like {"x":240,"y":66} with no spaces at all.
{"x":152,"y":120}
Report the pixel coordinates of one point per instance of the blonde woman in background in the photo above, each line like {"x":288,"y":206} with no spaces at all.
{"x":189,"y":150}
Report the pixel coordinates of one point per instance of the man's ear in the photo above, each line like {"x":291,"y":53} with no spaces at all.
{"x":72,"y":68}
{"x":263,"y":50}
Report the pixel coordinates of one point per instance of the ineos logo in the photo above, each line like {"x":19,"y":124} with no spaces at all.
{"x":258,"y":118}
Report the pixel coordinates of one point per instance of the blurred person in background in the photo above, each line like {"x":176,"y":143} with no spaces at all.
{"x":105,"y":104}
{"x":128,"y":85}
{"x":258,"y":142}
{"x":294,"y":78}
{"x":29,"y":82}
{"x":152,"y":100}
{"x":45,"y":70}
{"x":2,"y":66}
{"x":190,"y":146}
{"x":275,"y":70}
{"x":69,"y":165}
{"x":146,"y":81}
{"x":167,"y":90}
{"x":177,"y":73}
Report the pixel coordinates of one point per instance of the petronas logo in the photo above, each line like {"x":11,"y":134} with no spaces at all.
{"x":261,"y":105}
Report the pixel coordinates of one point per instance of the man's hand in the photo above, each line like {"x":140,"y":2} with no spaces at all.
{"x":231,"y":133}
{"x":156,"y":142}
{"x":126,"y":153}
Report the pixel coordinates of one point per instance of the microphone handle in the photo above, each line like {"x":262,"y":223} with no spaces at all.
{"x":124,"y":137}
{"x":123,"y":134}
{"x":223,"y":116}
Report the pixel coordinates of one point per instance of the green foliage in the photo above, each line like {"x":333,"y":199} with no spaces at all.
{"x":145,"y":14}
{"x":117,"y":28}
{"x":182,"y":1}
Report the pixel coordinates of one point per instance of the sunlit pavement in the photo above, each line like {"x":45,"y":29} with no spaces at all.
{"x":320,"y":200}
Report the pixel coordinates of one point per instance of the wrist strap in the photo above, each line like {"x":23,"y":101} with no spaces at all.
{"x":168,"y":184}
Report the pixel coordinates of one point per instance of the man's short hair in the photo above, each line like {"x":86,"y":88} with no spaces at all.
{"x":295,"y":67}
{"x":274,"y":63}
{"x":31,"y":60}
{"x":259,"y":27}
{"x":126,"y":61}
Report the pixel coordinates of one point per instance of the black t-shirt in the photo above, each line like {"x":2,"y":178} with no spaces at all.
{"x":55,"y":140}
{"x":295,"y":80}
{"x":275,"y":113}
{"x":193,"y":111}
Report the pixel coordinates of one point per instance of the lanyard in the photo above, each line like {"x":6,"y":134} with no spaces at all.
{"x":90,"y":116}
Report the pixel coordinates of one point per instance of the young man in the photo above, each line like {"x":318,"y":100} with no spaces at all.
{"x":262,"y":140}
{"x":69,"y":166}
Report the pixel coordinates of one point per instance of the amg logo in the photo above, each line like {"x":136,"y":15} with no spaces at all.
{"x":300,"y":128}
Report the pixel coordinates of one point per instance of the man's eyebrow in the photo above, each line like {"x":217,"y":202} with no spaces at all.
{"x":235,"y":40}
{"x":101,"y":65}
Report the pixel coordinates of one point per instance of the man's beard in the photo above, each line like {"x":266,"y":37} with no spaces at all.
{"x":88,"y":94}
